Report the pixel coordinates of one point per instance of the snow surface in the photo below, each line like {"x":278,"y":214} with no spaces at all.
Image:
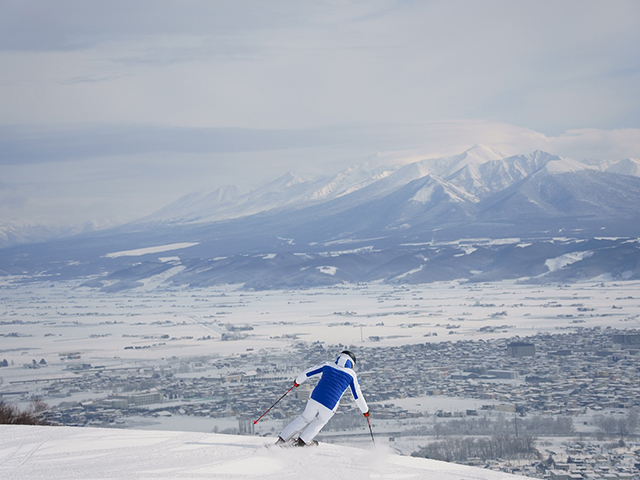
{"x":564,"y":165}
{"x":555,"y":264}
{"x":144,"y":251}
{"x":628,"y":166}
{"x":69,"y":318}
{"x":63,"y":453}
{"x":424,"y":194}
{"x":329,"y":270}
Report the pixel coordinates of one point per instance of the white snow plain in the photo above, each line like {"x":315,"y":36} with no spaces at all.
{"x":52,"y":319}
{"x":63,"y":453}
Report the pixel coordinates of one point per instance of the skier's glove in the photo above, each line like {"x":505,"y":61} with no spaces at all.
{"x":296,"y":384}
{"x":367,"y":413}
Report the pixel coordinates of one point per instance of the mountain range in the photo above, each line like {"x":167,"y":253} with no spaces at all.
{"x":478,"y":216}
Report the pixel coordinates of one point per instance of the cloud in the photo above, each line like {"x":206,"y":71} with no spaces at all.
{"x":25,"y":144}
{"x":551,"y":66}
{"x":92,"y":79}
{"x":76,"y":24}
{"x":597,"y":144}
{"x":10,"y":200}
{"x":13,"y":202}
{"x":451,"y":137}
{"x":139,"y":100}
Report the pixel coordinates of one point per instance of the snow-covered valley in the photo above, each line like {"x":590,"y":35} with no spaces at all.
{"x":212,"y":359}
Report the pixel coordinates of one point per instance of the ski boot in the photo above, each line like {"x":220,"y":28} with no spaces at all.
{"x":300,"y":443}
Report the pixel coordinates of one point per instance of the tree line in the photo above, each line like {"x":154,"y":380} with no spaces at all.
{"x":461,"y":450}
{"x":618,"y":425}
{"x":34,"y":414}
{"x":502,"y":425}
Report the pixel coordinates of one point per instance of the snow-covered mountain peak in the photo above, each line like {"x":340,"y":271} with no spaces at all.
{"x":192,"y":206}
{"x":471,"y":176}
{"x":628,"y":166}
{"x":476,"y":155}
{"x":415,"y":170}
{"x":350,"y":180}
{"x":227,"y":193}
{"x":288,"y":180}
{"x":565,"y":165}
{"x":484,"y":153}
{"x":433,"y":187}
{"x":483,"y":178}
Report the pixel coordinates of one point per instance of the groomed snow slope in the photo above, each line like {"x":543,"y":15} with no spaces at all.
{"x":65,"y":453}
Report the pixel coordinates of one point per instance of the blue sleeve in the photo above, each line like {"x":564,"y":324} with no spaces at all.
{"x":357,"y":394}
{"x":315,"y":370}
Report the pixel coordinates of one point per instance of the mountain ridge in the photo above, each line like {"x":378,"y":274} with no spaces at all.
{"x":392,"y":224}
{"x":479,"y":171}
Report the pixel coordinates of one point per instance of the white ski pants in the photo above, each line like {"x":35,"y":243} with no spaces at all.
{"x":309,"y":423}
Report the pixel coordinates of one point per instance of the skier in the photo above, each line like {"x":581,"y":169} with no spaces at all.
{"x":323,"y":403}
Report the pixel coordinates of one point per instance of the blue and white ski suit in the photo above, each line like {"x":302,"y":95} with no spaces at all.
{"x":335,"y":380}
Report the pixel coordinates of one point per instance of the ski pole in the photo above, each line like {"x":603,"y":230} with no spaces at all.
{"x":268,"y":409}
{"x":370,"y":431}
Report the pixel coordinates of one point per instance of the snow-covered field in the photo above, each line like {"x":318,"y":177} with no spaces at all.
{"x":65,"y":324}
{"x":51,"y":319}
{"x":63,"y":453}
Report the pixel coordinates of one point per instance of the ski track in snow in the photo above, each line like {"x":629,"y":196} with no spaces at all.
{"x":65,"y":453}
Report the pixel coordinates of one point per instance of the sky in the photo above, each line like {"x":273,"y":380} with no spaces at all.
{"x":111,"y":110}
